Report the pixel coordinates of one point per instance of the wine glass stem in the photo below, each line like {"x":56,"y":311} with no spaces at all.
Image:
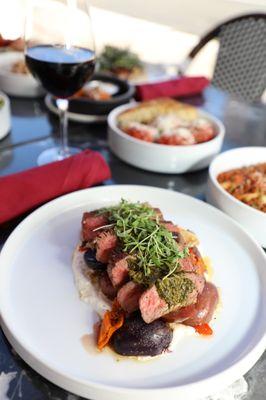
{"x":62,"y":105}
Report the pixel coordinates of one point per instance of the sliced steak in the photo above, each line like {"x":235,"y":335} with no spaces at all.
{"x":106,"y":286}
{"x":151,"y":305}
{"x":170,"y":226}
{"x":91,"y":221}
{"x":158,"y":212}
{"x":199,"y":283}
{"x":176,"y":232}
{"x":193,"y":262}
{"x":105,"y":242}
{"x":199,"y":313}
{"x":188,"y":264}
{"x":118,"y":268}
{"x":128,"y":296}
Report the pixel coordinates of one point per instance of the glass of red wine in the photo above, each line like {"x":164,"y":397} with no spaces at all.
{"x":59,"y":52}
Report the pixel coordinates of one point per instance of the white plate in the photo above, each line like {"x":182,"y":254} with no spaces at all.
{"x":159,"y":157}
{"x":86,"y":118}
{"x":44,"y":319}
{"x":16,"y":84}
{"x":254,"y":221}
{"x":5,"y":119}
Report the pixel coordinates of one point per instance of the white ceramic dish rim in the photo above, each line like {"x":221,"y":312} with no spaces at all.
{"x":116,"y":111}
{"x":231,"y":373}
{"x":16,"y":75}
{"x":5,"y":98}
{"x":213,"y":178}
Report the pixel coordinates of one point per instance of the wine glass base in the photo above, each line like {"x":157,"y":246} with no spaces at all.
{"x":53,"y":154}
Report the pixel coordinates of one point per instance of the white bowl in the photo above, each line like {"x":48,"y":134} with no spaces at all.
{"x":16,"y":84}
{"x":254,"y":221}
{"x":163,"y":158}
{"x":5,"y":120}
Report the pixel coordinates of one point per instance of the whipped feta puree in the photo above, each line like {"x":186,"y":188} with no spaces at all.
{"x":88,"y":290}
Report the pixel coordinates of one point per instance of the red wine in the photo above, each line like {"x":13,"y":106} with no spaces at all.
{"x":61,"y":71}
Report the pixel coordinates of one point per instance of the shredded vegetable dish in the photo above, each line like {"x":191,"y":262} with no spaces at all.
{"x":247,"y":184}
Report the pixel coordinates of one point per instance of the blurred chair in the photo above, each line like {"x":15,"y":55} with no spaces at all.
{"x":240,"y":67}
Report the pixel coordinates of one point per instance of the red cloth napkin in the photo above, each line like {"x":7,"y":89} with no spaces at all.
{"x":25,"y":190}
{"x":179,"y":87}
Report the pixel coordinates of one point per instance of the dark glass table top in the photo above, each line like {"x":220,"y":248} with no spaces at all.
{"x":35,"y":129}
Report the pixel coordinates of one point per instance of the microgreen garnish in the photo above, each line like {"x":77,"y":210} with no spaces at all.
{"x":156,"y":253}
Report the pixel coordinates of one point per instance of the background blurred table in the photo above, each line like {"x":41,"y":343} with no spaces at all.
{"x":35,"y":129}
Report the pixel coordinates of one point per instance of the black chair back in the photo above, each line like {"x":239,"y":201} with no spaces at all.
{"x":240,"y":67}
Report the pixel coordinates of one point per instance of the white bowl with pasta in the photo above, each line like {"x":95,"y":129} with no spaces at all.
{"x":251,"y":219}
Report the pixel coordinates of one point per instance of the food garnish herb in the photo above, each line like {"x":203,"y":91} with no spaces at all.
{"x":156,"y":253}
{"x":175,"y":289}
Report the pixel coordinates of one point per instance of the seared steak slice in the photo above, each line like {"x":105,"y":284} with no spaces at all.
{"x":193,"y":262}
{"x":106,"y":286}
{"x":183,"y":236}
{"x":170,"y":226}
{"x":105,"y":242}
{"x":199,"y":313}
{"x":91,"y":221}
{"x":152,"y":306}
{"x":188,"y":264}
{"x":176,"y":232}
{"x":128,"y":296}
{"x":118,"y":268}
{"x":158,"y":212}
{"x":199,"y":283}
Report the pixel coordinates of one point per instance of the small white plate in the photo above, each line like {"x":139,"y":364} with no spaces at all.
{"x":44,"y":319}
{"x":254,"y":221}
{"x":15,"y":84}
{"x":159,"y":157}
